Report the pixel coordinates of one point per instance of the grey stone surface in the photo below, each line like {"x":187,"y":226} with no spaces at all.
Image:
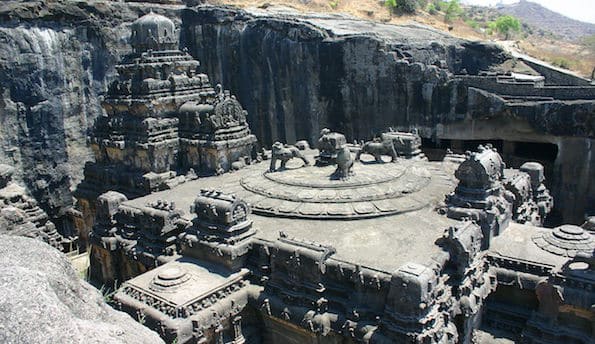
{"x":44,"y":301}
{"x":398,"y":270}
{"x":417,"y":188}
{"x":360,"y":77}
{"x":21,"y":215}
{"x":56,"y":60}
{"x":163,"y":121}
{"x":351,"y":76}
{"x":382,"y":257}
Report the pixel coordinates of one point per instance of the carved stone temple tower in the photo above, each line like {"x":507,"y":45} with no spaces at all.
{"x":162,"y":119}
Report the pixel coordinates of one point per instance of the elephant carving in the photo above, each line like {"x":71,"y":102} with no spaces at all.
{"x":377,"y":149}
{"x":284,"y":153}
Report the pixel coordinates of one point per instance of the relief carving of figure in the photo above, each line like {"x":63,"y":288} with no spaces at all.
{"x":215,"y":122}
{"x":284,"y":153}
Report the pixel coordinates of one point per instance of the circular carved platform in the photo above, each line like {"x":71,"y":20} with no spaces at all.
{"x":566,"y":240}
{"x":376,"y":189}
{"x":169,"y":279}
{"x":318,"y":177}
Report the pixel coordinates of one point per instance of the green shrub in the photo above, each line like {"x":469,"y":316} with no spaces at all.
{"x":432,"y":9}
{"x":491,"y":28}
{"x":453,"y":11}
{"x":402,"y":6}
{"x":562,"y":62}
{"x":507,"y":24}
{"x":108,"y":292}
{"x":440,"y":5}
{"x":474,"y":24}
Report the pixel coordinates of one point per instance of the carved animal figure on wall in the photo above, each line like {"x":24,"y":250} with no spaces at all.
{"x":344,"y":164}
{"x":284,"y":153}
{"x":377,"y":149}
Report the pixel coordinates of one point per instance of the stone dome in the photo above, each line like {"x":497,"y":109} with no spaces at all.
{"x":153,"y":32}
{"x":482,"y":169}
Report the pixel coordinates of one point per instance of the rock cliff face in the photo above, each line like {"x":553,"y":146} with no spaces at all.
{"x":294,"y":73}
{"x":44,"y":301}
{"x":56,"y":60}
{"x":299,"y":73}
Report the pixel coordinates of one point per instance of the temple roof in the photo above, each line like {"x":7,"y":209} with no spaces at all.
{"x":379,"y":241}
{"x":153,"y":32}
{"x":516,"y":243}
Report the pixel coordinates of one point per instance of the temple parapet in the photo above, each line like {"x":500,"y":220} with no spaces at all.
{"x":188,"y":301}
{"x":128,"y":240}
{"x":306,"y":287}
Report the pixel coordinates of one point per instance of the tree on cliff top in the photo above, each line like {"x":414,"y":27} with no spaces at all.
{"x":452,"y":11}
{"x":507,"y":24}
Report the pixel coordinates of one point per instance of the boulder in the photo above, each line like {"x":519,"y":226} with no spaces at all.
{"x":42,"y":300}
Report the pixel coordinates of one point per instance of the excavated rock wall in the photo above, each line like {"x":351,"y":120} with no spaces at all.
{"x":295,"y":74}
{"x":298,"y":74}
{"x":51,"y":83}
{"x":56,"y":60}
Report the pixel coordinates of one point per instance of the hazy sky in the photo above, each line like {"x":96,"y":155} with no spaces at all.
{"x":576,"y":9}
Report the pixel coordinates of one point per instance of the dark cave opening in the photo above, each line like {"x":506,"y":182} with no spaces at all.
{"x":514,"y":153}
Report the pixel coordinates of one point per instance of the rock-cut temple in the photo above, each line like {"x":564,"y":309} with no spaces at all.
{"x":209,"y":244}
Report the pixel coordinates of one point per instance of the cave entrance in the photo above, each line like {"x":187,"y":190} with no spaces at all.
{"x":514,"y":153}
{"x":435,"y":150}
{"x":517,"y":153}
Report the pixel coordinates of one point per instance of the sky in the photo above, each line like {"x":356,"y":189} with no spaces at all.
{"x":583,"y":10}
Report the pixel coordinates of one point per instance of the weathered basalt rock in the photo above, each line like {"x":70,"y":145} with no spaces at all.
{"x":361,"y":259}
{"x":21,"y":215}
{"x":360,"y":78}
{"x":44,"y":301}
{"x":354,"y":76}
{"x":163,"y":119}
{"x":56,"y":60}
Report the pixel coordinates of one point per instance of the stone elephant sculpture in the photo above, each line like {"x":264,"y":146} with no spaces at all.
{"x":377,"y":149}
{"x":284,"y":153}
